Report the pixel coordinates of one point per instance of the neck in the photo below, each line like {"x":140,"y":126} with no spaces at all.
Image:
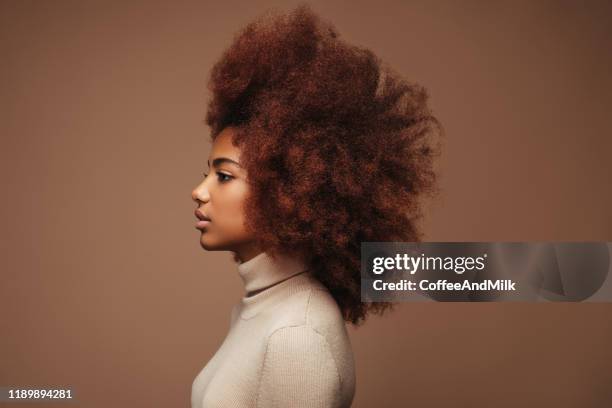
{"x":264,"y":271}
{"x":246,"y":252}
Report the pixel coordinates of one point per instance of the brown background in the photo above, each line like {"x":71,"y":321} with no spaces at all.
{"x":105,"y":288}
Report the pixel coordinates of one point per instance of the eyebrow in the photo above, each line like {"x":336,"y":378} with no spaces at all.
{"x":219,"y":160}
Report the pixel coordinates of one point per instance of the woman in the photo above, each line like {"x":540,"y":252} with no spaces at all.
{"x":316,"y":148}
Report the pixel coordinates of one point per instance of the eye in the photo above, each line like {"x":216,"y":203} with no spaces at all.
{"x":223,"y":178}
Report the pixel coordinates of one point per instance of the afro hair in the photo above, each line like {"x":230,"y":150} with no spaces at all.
{"x":337,"y":147}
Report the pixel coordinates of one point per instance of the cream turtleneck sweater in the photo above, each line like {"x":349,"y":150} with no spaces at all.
{"x":287,"y":345}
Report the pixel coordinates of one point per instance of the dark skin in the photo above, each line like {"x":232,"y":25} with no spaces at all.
{"x":221,"y":196}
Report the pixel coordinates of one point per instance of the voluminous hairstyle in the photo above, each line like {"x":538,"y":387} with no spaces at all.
{"x":337,"y":147}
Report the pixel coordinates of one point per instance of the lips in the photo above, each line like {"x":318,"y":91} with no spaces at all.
{"x":201,"y":216}
{"x":203,"y":222}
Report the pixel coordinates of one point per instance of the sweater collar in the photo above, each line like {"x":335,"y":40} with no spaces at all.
{"x":264,"y":270}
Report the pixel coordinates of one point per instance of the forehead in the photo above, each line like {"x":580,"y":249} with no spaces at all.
{"x":223,"y":147}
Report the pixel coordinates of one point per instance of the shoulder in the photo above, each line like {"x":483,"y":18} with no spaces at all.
{"x":301,"y":368}
{"x":314,"y":308}
{"x":322,"y":312}
{"x":293,"y":341}
{"x":308,"y":357}
{"x":318,"y":336}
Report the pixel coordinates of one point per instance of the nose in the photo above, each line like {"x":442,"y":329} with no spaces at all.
{"x":200,"y":193}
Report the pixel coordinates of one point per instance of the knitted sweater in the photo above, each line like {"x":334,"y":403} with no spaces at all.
{"x":287,"y":345}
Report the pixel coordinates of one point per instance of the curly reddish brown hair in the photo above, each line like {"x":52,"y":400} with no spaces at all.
{"x":337,"y":147}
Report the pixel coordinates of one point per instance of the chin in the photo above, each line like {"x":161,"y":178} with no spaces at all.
{"x":209,"y":245}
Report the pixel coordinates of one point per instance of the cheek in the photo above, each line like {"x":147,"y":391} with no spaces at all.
{"x":231,"y":211}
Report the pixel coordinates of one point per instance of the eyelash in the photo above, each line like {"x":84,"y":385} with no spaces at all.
{"x":221,"y":174}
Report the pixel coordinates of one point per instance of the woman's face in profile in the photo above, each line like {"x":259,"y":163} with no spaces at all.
{"x":220,"y":198}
